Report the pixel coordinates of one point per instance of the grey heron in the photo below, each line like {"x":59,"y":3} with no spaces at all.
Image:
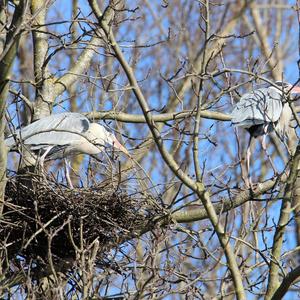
{"x":262,"y":111}
{"x":61,"y":136}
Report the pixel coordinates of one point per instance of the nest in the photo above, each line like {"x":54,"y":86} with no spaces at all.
{"x":42,"y":217}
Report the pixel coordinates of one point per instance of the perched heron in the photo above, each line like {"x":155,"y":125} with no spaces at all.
{"x":61,"y":136}
{"x":262,"y":111}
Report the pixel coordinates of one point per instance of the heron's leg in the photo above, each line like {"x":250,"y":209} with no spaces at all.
{"x":248,"y":157}
{"x":264,"y":146}
{"x":68,"y":178}
{"x":42,"y":158}
{"x":40,"y":163}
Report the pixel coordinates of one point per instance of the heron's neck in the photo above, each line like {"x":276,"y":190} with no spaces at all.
{"x":92,"y":138}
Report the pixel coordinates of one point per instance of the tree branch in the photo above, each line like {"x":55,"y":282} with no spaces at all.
{"x":10,"y":50}
{"x":285,"y":211}
{"x":79,"y":67}
{"x":194,"y":214}
{"x":134,"y":118}
{"x":197,"y":187}
{"x":44,"y":92}
{"x":288,"y":280}
{"x":83,"y":62}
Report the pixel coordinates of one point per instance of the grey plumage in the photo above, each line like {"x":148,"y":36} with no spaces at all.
{"x":260,"y":107}
{"x":61,"y":135}
{"x":262,"y":111}
{"x":58,"y":130}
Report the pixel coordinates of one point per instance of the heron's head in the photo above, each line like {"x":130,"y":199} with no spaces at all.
{"x":287,"y":87}
{"x":101,"y":136}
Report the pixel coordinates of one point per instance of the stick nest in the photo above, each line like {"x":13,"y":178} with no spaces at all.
{"x":43,"y":217}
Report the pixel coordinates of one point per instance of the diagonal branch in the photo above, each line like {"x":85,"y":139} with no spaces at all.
{"x":79,"y":67}
{"x":196,"y":214}
{"x":83,"y":62}
{"x":288,"y":280}
{"x":197,"y":187}
{"x":285,"y":211}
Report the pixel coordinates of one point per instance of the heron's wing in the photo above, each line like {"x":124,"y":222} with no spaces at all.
{"x":57,"y":129}
{"x":258,"y":107}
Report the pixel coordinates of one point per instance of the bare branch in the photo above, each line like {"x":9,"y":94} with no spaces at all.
{"x":286,"y":283}
{"x":285,"y":211}
{"x":198,"y":187}
{"x":131,"y":118}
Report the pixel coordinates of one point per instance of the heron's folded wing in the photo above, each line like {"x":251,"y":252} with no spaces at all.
{"x":262,"y":105}
{"x":57,"y":129}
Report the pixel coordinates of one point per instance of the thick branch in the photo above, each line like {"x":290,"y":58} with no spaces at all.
{"x":282,"y":223}
{"x":288,"y":280}
{"x":133,"y":118}
{"x":194,"y":214}
{"x":262,"y":34}
{"x":44,"y":91}
{"x":10,"y":50}
{"x":83,"y":62}
{"x":79,"y":67}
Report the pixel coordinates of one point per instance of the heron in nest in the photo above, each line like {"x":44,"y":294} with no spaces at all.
{"x":60,"y":136}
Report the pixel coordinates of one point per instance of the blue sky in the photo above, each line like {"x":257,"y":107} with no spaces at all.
{"x":212,"y":155}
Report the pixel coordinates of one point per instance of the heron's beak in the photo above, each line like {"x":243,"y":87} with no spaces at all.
{"x":295,"y":90}
{"x":119,"y":146}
